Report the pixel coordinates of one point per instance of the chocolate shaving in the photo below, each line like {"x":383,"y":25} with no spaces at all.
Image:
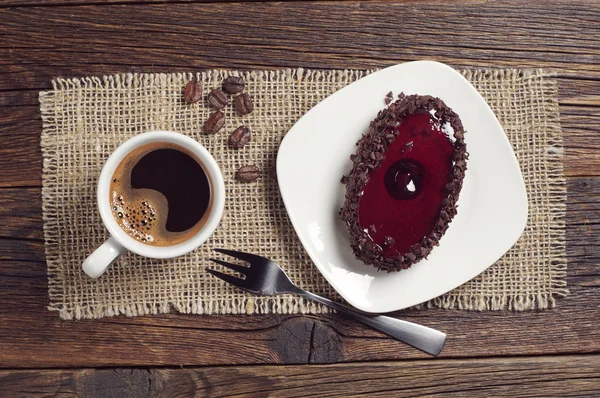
{"x":389,"y":98}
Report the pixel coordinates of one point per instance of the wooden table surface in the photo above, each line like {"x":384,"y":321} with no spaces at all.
{"x":546,"y":353}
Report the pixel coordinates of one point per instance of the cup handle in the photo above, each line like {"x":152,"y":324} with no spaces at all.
{"x":102,"y":258}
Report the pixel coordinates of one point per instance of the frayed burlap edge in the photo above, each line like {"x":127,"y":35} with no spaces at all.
{"x":286,"y":304}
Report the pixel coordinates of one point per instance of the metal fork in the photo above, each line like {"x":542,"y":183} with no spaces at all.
{"x":265,"y":277}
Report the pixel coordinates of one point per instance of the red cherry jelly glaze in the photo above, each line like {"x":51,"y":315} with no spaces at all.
{"x":403,"y":197}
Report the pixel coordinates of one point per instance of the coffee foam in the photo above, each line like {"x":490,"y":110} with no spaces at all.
{"x":143,"y":213}
{"x":138,"y":216}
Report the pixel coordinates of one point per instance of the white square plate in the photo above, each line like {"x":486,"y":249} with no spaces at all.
{"x":492,"y":208}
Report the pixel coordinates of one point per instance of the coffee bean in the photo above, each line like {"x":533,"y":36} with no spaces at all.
{"x":217,"y":99}
{"x":233,"y":85}
{"x":192,"y":92}
{"x":243,"y":104}
{"x":240,"y":137}
{"x":247,"y":173}
{"x":214,"y":123}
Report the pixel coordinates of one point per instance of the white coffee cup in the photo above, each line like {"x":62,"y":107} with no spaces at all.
{"x":119,"y":242}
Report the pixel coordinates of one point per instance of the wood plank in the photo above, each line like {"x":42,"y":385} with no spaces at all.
{"x":581,"y":141}
{"x":21,"y":213}
{"x":35,"y":337}
{"x":500,"y":377}
{"x":42,"y":42}
{"x":20,"y":152}
{"x":60,"y":3}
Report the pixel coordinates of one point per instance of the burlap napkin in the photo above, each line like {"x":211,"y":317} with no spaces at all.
{"x":85,"y":119}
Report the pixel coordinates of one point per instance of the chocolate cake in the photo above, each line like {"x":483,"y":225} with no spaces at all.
{"x":406,"y":177}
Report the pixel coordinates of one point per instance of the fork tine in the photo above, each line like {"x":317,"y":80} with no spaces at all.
{"x":241,"y":255}
{"x":227,"y":278}
{"x":238,"y":268}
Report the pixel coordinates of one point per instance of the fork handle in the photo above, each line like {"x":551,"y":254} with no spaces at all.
{"x":426,"y":339}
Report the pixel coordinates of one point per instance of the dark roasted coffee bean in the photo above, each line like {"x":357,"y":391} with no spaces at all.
{"x":247,"y":173}
{"x":240,"y":137}
{"x":233,"y":85}
{"x":243,"y":104}
{"x":214,"y":123}
{"x":218,"y":99}
{"x":192,"y":92}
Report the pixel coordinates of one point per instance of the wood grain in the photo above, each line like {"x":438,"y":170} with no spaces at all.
{"x":62,"y":3}
{"x":510,"y":377}
{"x":21,"y":213}
{"x":33,"y":336}
{"x":39,"y":43}
{"x":42,"y":42}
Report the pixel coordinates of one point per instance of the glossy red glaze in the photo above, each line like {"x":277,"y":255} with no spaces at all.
{"x":403,"y":197}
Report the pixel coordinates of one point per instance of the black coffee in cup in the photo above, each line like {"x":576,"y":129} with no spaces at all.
{"x":160,"y":194}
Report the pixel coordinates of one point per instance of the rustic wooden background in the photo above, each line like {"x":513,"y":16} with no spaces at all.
{"x":546,"y":353}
